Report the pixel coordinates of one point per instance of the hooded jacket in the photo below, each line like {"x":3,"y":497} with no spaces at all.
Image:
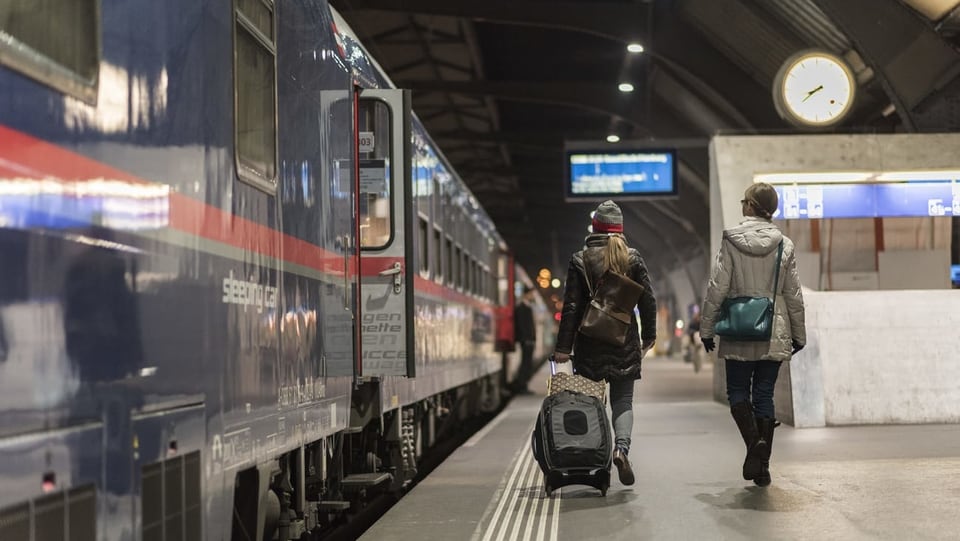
{"x":594,"y":359}
{"x":745,"y":268}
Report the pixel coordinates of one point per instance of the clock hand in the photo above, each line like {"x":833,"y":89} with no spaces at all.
{"x":812,"y":92}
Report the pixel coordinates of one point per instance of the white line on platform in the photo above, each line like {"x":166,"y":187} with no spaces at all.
{"x":555,"y":527}
{"x":511,"y":504}
{"x":512,"y":515}
{"x":499,"y":499}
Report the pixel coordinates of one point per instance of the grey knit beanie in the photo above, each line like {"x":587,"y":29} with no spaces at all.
{"x":608,"y":218}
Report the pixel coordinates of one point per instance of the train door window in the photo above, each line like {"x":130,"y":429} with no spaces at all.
{"x":450,"y":270}
{"x":56,"y":42}
{"x":376,"y":218}
{"x":256,"y":93}
{"x":424,"y":251}
{"x":438,"y":255}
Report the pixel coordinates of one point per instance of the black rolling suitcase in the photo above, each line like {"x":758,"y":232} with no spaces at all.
{"x":571,"y":441}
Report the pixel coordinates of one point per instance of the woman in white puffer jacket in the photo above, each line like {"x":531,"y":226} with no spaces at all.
{"x":746,"y":268}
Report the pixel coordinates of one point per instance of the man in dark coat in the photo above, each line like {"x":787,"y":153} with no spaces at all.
{"x":526,"y":335}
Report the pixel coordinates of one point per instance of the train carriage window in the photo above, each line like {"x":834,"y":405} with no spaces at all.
{"x":485,"y":283}
{"x":259,"y":13}
{"x":56,"y":42}
{"x":474,"y":277}
{"x":472,"y":269}
{"x":438,"y":255}
{"x":424,"y":241}
{"x":468,"y":268}
{"x":457,"y":268}
{"x":451,"y":268}
{"x":256,"y":93}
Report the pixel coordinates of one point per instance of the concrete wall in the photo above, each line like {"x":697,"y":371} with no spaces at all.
{"x":875,"y":359}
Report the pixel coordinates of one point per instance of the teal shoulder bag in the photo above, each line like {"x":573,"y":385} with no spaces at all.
{"x":749,"y":319}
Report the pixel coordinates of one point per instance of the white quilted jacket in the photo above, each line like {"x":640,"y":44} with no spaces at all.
{"x":744,"y":268}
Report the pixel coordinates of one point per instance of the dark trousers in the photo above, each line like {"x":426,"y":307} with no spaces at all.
{"x":753,"y":381}
{"x":525,"y":372}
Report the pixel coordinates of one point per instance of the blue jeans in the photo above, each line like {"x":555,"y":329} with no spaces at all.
{"x":621,"y":402}
{"x":764,"y":377}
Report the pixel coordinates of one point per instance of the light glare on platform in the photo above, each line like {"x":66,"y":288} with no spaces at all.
{"x":625,"y":87}
{"x":635,"y":48}
{"x":679,"y":323}
{"x":612,"y":139}
{"x":555,"y":283}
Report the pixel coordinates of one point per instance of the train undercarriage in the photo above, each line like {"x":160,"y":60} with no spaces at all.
{"x":335,"y":487}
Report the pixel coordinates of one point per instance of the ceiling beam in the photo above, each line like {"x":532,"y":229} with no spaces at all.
{"x":620,"y":21}
{"x":601,"y":98}
{"x":907,"y":55}
{"x":689,"y":56}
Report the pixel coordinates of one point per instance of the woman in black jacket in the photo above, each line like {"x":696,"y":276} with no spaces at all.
{"x":605,"y":249}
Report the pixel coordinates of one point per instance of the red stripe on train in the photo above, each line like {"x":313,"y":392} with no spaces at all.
{"x":24,"y":156}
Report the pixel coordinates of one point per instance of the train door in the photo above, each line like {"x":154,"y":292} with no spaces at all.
{"x":505,"y":301}
{"x":385,"y":213}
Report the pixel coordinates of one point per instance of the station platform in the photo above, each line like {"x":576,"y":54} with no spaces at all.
{"x":864,"y":482}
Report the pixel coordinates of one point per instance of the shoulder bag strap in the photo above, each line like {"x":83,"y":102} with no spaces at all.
{"x":776,"y":275}
{"x":586,"y":276}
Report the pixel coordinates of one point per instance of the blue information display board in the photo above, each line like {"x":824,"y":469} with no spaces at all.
{"x":955,"y":274}
{"x":901,"y":199}
{"x":622,"y":174}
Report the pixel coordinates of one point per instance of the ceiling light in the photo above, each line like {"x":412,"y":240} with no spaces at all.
{"x":635,"y":48}
{"x":613,"y":138}
{"x":625,"y":87}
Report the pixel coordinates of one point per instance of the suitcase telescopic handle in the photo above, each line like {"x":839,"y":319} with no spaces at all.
{"x":553,"y":366}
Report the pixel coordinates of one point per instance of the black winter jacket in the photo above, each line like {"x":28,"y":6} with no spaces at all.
{"x":593,"y":359}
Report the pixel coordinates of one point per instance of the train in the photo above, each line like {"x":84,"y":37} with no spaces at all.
{"x":242,"y":292}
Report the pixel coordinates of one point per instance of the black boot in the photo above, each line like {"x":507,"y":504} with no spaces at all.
{"x":756,"y":446}
{"x":624,"y":470}
{"x":765,"y":426}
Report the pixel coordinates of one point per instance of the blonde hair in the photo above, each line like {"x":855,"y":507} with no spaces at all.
{"x":616,"y":257}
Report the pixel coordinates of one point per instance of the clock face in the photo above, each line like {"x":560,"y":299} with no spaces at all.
{"x":816,"y":89}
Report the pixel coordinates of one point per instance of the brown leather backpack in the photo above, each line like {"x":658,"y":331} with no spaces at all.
{"x":609,"y":314}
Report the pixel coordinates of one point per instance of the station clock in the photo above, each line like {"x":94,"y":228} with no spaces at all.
{"x":813,"y":89}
